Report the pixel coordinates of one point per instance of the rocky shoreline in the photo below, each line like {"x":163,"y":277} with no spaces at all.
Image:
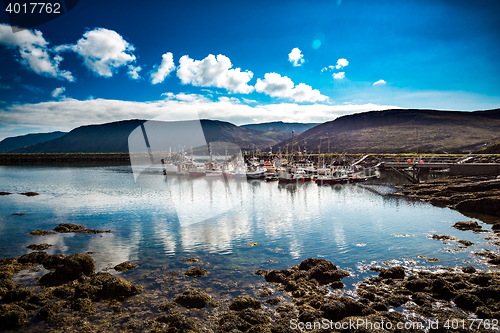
{"x":468,"y":195}
{"x":70,"y":296}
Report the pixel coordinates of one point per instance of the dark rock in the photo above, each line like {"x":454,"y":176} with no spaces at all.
{"x":5,"y":193}
{"x":468,"y":270}
{"x":77,"y":228}
{"x":273,"y":301}
{"x":63,"y":292}
{"x":12,"y":316}
{"x":196,"y":272}
{"x":30,"y":194}
{"x":422,"y":298}
{"x":379,"y":306}
{"x":82,"y":305}
{"x":87,"y":290}
{"x":465,"y":242}
{"x":53,"y":261}
{"x":467,"y":225}
{"x":481,"y":279}
{"x":485,"y":205}
{"x":254,"y":317}
{"x":313,"y":262}
{"x":194,"y":298}
{"x":245,"y":302}
{"x":178,"y":323}
{"x":49,"y":312}
{"x":418,"y":284}
{"x":113,"y":287}
{"x":443,"y":288}
{"x":467,"y":301}
{"x":167,"y":306}
{"x":6,"y":285}
{"x":324,"y":276}
{"x":260,"y":329}
{"x":125,"y":266}
{"x":443,"y":237}
{"x":397,"y":272}
{"x":275,"y":276}
{"x":38,"y":247}
{"x":490,"y":292}
{"x":33,"y":258}
{"x":260,"y":272}
{"x":16,"y":295}
{"x":231,"y":322}
{"x":71,"y":268}
{"x":337,"y":285}
{"x":42,"y":233}
{"x":496,"y":227}
{"x":397,"y":300}
{"x":342,"y":308}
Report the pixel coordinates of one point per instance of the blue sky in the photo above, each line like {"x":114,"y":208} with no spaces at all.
{"x":247,"y":62}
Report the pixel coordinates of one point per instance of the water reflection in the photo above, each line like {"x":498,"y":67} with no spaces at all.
{"x":347,"y":224}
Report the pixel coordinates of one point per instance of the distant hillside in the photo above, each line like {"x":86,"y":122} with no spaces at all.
{"x":279,"y":125}
{"x":402,"y":131}
{"x":113,"y":137}
{"x":27,"y":140}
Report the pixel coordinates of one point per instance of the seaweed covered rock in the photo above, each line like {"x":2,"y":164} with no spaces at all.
{"x":53,"y":261}
{"x":12,"y":316}
{"x":245,"y":302}
{"x":33,"y":258}
{"x":196,"y":272}
{"x":396,"y":272}
{"x":113,"y":287}
{"x":16,"y":295}
{"x":178,"y":323}
{"x":467,"y":225}
{"x":125,"y":266}
{"x":194,"y":298}
{"x":72,"y":267}
{"x":49,"y":312}
{"x":77,"y":228}
{"x":39,"y":247}
{"x":314,"y":262}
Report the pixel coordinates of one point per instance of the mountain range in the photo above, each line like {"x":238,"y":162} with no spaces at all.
{"x":398,"y":130}
{"x":402,"y":130}
{"x":279,"y":125}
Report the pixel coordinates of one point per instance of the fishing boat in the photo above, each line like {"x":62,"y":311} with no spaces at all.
{"x":269,"y":166}
{"x":197,"y":169}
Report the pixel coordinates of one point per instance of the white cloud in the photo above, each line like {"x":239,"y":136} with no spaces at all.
{"x":103,"y":51}
{"x":33,"y":52}
{"x":379,"y":83}
{"x":329,"y":68}
{"x":56,"y":93}
{"x":276,"y":85}
{"x":296,"y":57}
{"x":341,"y":63}
{"x":133,"y":72}
{"x":167,"y":65}
{"x":68,"y":113}
{"x":214,"y":72}
{"x":339,"y":76}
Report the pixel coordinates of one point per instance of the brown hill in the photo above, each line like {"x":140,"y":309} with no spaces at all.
{"x":401,"y":130}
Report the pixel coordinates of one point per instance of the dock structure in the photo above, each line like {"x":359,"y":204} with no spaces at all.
{"x":411,"y":167}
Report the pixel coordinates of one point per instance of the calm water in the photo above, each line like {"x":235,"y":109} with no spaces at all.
{"x":351,"y":225}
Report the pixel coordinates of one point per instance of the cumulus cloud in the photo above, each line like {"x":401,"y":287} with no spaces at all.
{"x":329,"y":68}
{"x":296,"y":57}
{"x":341,"y":63}
{"x":34,"y":52}
{"x":339,"y":76}
{"x":276,"y":85}
{"x":379,"y":83}
{"x":133,"y":72}
{"x":57,"y":92}
{"x":167,"y":65}
{"x":103,"y":51}
{"x":214,"y":72}
{"x":68,"y":113}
